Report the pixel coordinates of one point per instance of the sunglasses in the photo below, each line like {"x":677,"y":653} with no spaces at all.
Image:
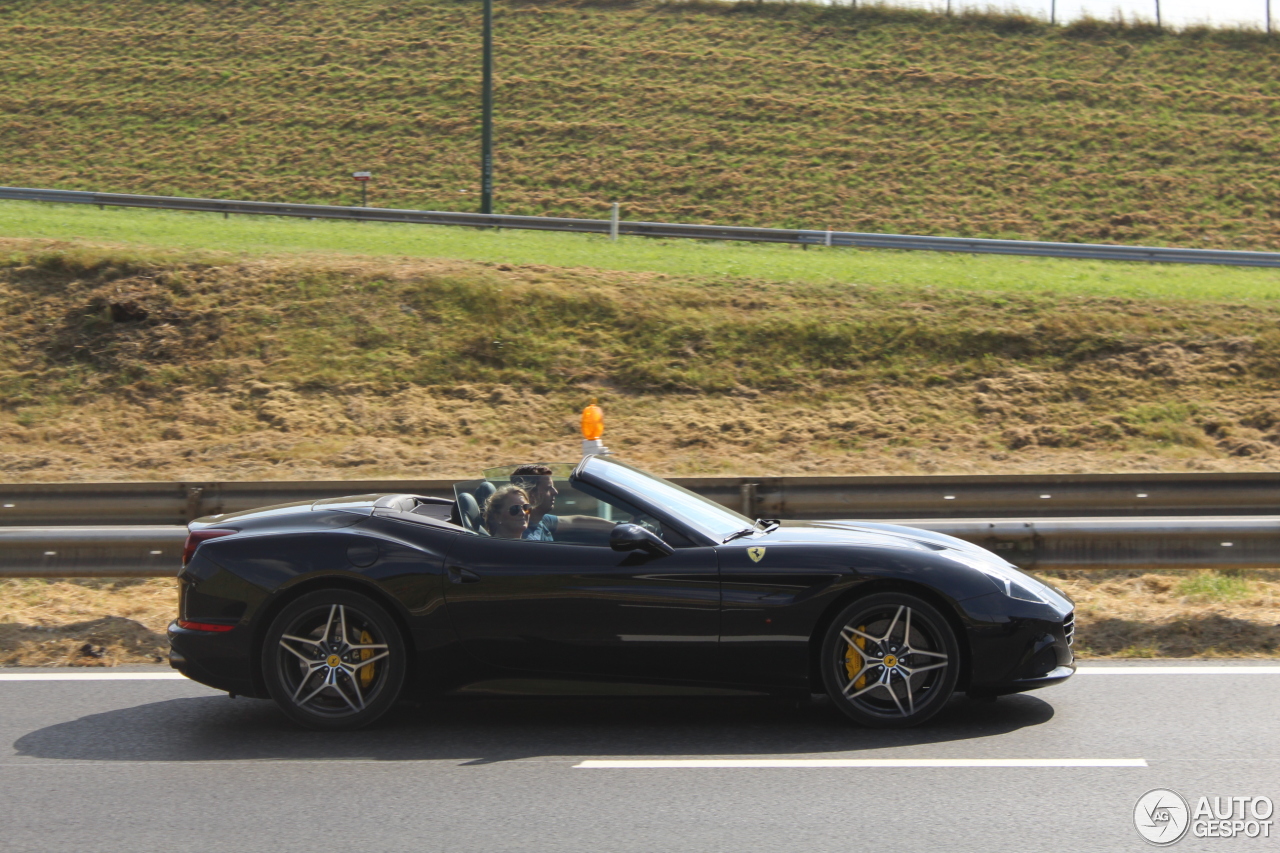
{"x":517,"y":509}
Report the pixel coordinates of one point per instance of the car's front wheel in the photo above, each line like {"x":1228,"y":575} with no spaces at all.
{"x":890,"y":660}
{"x":334,"y":660}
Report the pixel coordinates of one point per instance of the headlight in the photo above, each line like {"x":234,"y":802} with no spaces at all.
{"x":1007,"y":579}
{"x":1017,"y":585}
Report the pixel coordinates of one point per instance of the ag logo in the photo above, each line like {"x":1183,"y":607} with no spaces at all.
{"x":756,"y":553}
{"x":1162,"y":817}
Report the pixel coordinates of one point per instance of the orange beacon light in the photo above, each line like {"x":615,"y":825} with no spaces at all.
{"x":592,"y":422}
{"x":592,"y":429}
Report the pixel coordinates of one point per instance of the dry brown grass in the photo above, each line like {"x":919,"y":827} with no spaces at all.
{"x":1119,"y":615}
{"x":1135,"y":614}
{"x":82,"y":622}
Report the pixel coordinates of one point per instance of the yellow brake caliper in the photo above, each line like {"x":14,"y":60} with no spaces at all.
{"x":366,"y":673}
{"x":854,"y":662}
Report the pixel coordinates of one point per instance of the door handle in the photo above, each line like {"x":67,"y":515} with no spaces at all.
{"x":457,"y":574}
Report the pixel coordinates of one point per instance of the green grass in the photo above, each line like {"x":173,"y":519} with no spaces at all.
{"x":771,"y":114}
{"x":79,"y":315}
{"x":247,"y":236}
{"x":1213,"y":586}
{"x":110,"y":349}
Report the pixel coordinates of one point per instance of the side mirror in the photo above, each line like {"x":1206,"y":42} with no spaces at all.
{"x":633,"y":537}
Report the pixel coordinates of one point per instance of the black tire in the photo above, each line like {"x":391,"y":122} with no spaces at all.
{"x":334,"y":660}
{"x":879,"y":676}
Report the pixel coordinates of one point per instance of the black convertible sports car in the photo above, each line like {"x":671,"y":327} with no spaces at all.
{"x":335,"y":608}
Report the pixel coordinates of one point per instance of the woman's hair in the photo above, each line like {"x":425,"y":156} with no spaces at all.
{"x":495,"y":501}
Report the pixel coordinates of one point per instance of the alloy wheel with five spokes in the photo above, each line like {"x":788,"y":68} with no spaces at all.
{"x":334,"y":660}
{"x":890,"y":660}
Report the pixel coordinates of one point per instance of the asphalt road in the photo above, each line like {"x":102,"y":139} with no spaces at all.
{"x":142,"y":765}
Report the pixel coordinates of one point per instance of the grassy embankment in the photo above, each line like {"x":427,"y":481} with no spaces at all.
{"x":132,"y":362}
{"x":207,"y":359}
{"x":129,"y":363}
{"x":768,"y":114}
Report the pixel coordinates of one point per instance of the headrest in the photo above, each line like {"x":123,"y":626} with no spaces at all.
{"x":469,"y":511}
{"x":484,"y":491}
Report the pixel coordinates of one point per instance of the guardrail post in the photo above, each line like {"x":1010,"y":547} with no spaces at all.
{"x":195,"y":498}
{"x":748,"y":492}
{"x":613,"y":223}
{"x":1022,"y":546}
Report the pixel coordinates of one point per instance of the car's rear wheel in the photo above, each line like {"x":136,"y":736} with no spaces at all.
{"x":890,"y":660}
{"x":334,"y":660}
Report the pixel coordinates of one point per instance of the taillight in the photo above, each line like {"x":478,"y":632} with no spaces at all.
{"x":204,"y":626}
{"x":195,"y":537}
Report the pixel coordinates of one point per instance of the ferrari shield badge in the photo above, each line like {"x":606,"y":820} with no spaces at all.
{"x":756,"y":553}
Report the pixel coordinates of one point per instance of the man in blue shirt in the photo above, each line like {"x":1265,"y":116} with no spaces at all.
{"x":538,"y":484}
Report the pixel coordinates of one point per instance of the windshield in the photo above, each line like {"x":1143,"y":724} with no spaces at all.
{"x":704,"y":514}
{"x":559,"y":470}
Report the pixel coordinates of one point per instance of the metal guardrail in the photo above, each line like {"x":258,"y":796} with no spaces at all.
{"x":1124,"y":543}
{"x":1067,"y":543}
{"x":1148,"y":521}
{"x":856,"y":239}
{"x":994,"y":496}
{"x":91,"y":552}
{"x":990,"y":496}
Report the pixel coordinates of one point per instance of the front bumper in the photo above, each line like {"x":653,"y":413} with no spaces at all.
{"x":1017,"y":645}
{"x":1021,"y":685}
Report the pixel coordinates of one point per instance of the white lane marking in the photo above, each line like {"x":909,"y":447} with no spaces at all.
{"x":92,"y":676}
{"x":1178,"y":670}
{"x":682,"y":763}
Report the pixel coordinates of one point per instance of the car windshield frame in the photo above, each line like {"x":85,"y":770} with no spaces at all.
{"x":710,"y":519}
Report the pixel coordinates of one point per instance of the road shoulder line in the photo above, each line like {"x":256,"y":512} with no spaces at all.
{"x":717,"y":763}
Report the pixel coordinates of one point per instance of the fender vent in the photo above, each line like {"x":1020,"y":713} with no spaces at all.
{"x":1069,"y":627}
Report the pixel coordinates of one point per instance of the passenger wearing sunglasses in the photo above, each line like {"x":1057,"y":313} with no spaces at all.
{"x":538,"y":483}
{"x":506,"y":513}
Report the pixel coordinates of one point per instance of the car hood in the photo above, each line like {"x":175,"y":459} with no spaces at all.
{"x":871,"y":532}
{"x":866,"y":533}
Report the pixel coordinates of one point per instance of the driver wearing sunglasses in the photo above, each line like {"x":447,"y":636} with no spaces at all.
{"x":506,"y":513}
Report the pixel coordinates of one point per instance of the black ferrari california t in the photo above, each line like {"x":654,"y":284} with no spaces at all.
{"x":336,"y":608}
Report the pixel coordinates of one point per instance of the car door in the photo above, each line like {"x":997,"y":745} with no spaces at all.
{"x":581,"y":608}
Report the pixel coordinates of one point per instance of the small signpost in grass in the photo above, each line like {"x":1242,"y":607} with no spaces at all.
{"x":363,"y":178}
